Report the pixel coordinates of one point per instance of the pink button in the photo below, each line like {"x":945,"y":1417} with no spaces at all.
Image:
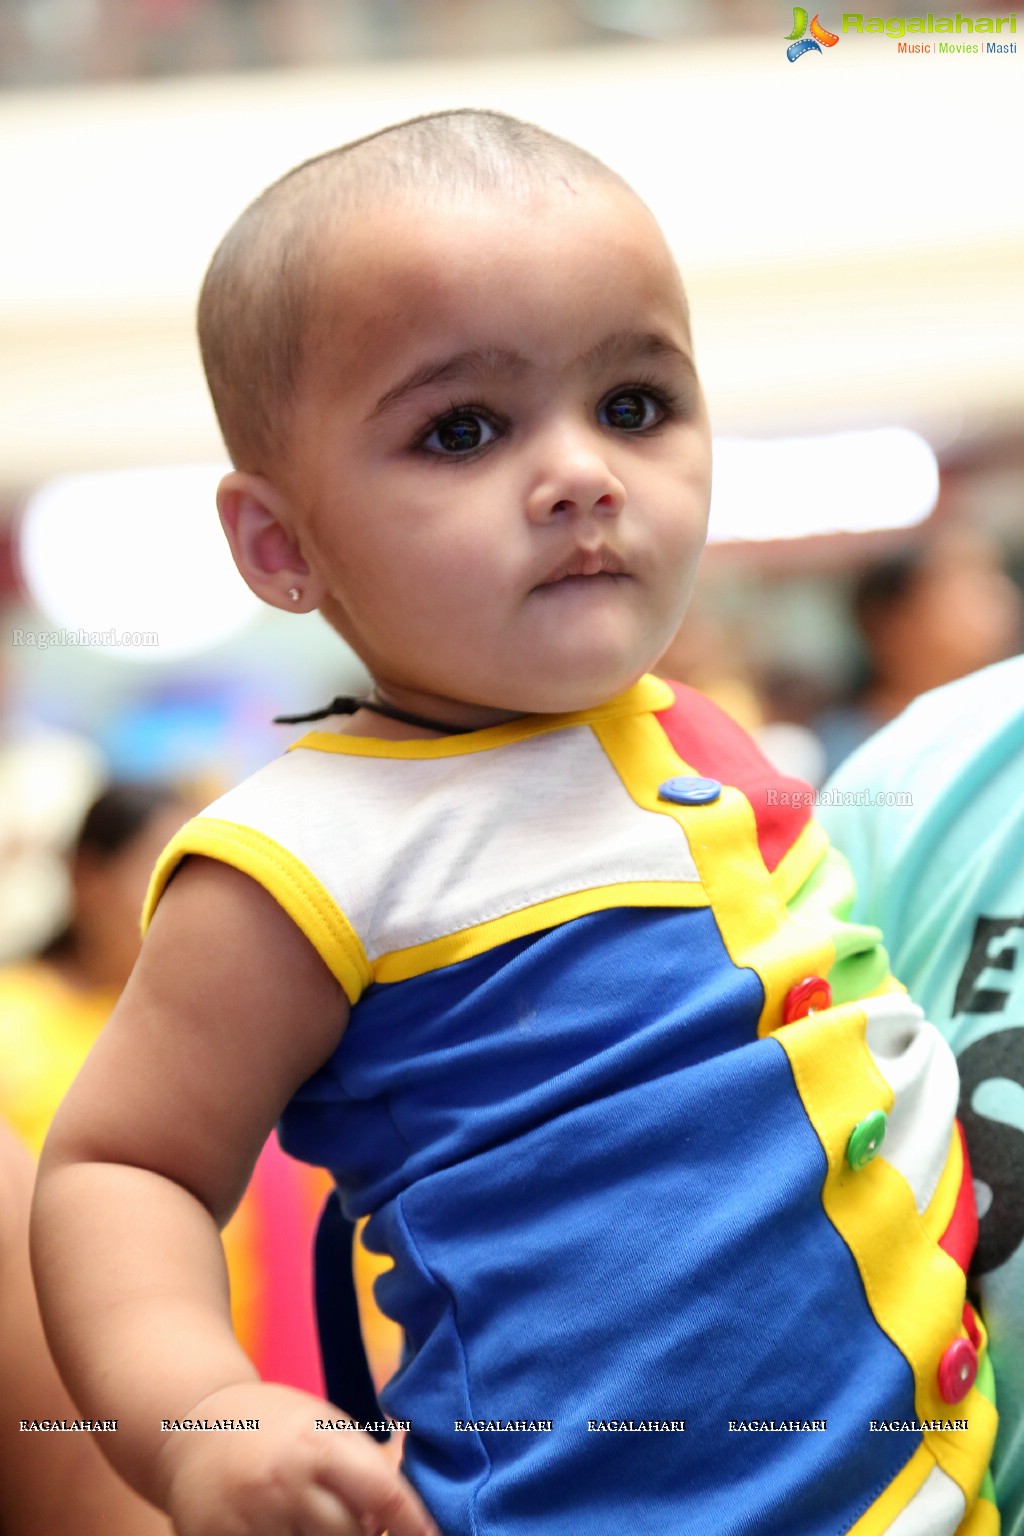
{"x":957,"y":1370}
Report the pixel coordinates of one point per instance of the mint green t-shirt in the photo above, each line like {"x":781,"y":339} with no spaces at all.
{"x":942,"y":874}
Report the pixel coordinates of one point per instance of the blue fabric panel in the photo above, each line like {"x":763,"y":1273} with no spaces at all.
{"x":432,"y":1069}
{"x":603,"y":1198}
{"x":666,"y":1288}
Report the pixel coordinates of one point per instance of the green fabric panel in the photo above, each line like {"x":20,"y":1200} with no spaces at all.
{"x":826,"y":900}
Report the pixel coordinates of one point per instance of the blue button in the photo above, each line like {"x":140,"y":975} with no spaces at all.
{"x":689,"y":790}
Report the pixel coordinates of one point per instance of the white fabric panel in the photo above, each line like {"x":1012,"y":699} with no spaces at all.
{"x":920,"y":1068}
{"x":416,"y":849}
{"x":936,"y":1509}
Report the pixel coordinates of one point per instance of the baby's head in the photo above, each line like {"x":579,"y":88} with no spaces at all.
{"x":453,"y":368}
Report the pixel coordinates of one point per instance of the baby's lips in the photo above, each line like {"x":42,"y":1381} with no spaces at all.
{"x":587,"y":562}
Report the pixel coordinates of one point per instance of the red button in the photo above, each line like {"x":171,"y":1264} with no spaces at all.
{"x":957,"y":1370}
{"x":808,"y":996}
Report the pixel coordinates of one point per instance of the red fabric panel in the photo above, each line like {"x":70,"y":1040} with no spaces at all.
{"x":961,"y":1236}
{"x":708,"y":739}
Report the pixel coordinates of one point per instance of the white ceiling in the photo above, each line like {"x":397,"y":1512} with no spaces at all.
{"x":851,"y":229}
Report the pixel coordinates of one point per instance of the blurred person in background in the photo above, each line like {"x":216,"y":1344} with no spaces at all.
{"x":707,"y":653}
{"x":49,"y":1482}
{"x":53,"y":1006}
{"x":52,"y":1009}
{"x":50,"y":1012}
{"x":942,"y":874}
{"x":935,"y":612}
{"x":47,"y":778}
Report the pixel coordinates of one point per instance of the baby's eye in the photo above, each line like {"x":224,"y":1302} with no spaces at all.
{"x":459,"y":433}
{"x":631,"y":410}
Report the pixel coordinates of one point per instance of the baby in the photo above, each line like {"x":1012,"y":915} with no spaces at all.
{"x":533,"y":950}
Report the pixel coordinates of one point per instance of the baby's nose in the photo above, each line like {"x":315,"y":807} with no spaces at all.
{"x":576,"y":482}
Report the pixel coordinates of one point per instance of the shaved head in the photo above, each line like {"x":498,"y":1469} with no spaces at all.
{"x":259,"y":300}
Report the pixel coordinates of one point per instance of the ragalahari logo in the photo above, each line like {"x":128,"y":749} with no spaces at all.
{"x":799,"y":45}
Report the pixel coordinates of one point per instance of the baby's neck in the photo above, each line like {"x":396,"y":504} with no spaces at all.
{"x":365,"y":723}
{"x":384,"y":718}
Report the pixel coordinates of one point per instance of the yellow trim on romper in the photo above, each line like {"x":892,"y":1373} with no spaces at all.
{"x":909,"y":1480}
{"x":647,"y":695}
{"x":982,"y":1520}
{"x":873,"y":1210}
{"x":940,"y":1207}
{"x":887,"y":988}
{"x":433,"y":954}
{"x":799,"y":861}
{"x":722,"y":836}
{"x":986,"y":1511}
{"x":291,"y":884}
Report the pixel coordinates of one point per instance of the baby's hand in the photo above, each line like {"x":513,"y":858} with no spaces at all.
{"x":286,"y":1478}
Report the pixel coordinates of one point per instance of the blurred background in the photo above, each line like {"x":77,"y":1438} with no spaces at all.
{"x":851,"y":231}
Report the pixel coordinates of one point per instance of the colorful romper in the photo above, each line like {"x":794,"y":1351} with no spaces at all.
{"x":613,"y":1094}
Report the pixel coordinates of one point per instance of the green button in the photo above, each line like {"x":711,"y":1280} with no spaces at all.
{"x":866,"y":1139}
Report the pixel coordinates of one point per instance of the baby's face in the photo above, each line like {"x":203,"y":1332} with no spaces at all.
{"x":500,"y":463}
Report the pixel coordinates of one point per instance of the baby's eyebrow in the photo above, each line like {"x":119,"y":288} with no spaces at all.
{"x":499,"y":362}
{"x":474,"y":361}
{"x":636,"y":344}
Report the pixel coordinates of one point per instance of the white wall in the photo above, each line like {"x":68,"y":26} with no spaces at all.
{"x":851,"y":229}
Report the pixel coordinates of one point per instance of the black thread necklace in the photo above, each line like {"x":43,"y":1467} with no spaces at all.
{"x":346,"y":704}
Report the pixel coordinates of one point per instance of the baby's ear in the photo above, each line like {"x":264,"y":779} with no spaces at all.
{"x":261,"y":533}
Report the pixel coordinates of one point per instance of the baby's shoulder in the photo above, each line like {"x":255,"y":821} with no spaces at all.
{"x":284,"y":827}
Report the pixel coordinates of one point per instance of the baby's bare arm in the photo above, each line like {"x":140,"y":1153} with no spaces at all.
{"x":228,"y":1011}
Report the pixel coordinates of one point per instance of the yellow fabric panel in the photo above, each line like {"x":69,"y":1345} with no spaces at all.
{"x":940,"y":1207}
{"x":400,"y":964}
{"x":291,"y":884}
{"x":873,"y":1210}
{"x":723,"y":842}
{"x":799,"y":861}
{"x":981,"y":1520}
{"x":907,"y":1482}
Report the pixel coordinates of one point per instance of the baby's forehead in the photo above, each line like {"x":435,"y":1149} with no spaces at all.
{"x":382,"y":251}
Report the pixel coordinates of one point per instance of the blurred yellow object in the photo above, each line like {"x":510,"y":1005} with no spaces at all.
{"x":382,"y":1338}
{"x":47,"y":1028}
{"x":46,"y":1031}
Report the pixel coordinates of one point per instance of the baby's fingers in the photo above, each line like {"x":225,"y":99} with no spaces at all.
{"x":324,"y":1514}
{"x":379,"y":1497}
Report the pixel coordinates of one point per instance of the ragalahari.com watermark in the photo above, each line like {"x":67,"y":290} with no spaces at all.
{"x":833,"y":796}
{"x":117,"y":639}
